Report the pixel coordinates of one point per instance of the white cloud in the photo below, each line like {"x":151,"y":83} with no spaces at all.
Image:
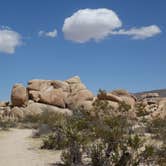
{"x":140,"y":33}
{"x":96,"y":24}
{"x":51,"y":34}
{"x":9,"y":40}
{"x":87,"y":24}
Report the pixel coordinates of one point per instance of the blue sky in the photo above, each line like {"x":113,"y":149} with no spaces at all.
{"x":115,"y":61}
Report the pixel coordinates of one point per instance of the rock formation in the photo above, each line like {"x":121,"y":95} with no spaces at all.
{"x":118,"y":96}
{"x":47,"y":95}
{"x":69,"y":95}
{"x":64,"y":94}
{"x":19,"y":95}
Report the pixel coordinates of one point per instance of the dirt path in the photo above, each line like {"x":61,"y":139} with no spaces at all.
{"x":18,"y":149}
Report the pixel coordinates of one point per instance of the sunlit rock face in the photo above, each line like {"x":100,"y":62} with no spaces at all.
{"x":70,"y":95}
{"x":19,"y":95}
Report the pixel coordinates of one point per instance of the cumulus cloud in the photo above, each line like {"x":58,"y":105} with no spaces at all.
{"x":51,"y":34}
{"x":140,"y":33}
{"x":9,"y":40}
{"x":88,"y":24}
{"x":96,"y":24}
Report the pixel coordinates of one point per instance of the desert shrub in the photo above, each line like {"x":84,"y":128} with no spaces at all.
{"x":124,"y":107}
{"x":101,"y":93}
{"x":78,"y":134}
{"x":82,"y":131}
{"x":67,"y":131}
{"x":158,"y":128}
{"x":134,"y":142}
{"x":72,"y":156}
{"x":105,"y":139}
{"x":55,"y":140}
{"x":6,"y":124}
{"x":30,"y":119}
{"x":97,"y":154}
{"x":140,"y":109}
{"x":56,"y":123}
{"x":51,"y":119}
{"x":160,"y":156}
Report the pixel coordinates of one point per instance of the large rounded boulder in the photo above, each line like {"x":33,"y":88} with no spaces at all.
{"x":19,"y":95}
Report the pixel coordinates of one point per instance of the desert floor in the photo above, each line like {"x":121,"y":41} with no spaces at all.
{"x":17,"y":148}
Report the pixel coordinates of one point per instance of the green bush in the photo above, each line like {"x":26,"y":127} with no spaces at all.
{"x":97,"y":155}
{"x":56,"y":140}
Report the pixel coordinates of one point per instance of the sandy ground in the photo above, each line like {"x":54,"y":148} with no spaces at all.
{"x":17,"y":148}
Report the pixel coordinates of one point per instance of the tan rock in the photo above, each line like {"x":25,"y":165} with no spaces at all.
{"x":158,"y":114}
{"x":75,"y":88}
{"x":19,"y":96}
{"x":53,"y":97}
{"x":76,"y":99}
{"x":114,"y":105}
{"x":78,"y":93}
{"x":149,"y":95}
{"x":162,"y":104}
{"x":109,"y":96}
{"x":74,"y":80}
{"x":60,"y":85}
{"x":38,"y":85}
{"x":129,"y":100}
{"x":39,"y":108}
{"x":34,"y":95}
{"x":83,"y":95}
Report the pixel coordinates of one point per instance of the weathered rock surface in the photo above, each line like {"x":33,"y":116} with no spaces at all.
{"x":162,"y":104}
{"x":70,"y":93}
{"x":118,"y":96}
{"x":125,"y":97}
{"x":150,"y":98}
{"x":38,"y":85}
{"x":39,"y":108}
{"x":66,"y":96}
{"x":34,"y":95}
{"x":61,"y":85}
{"x":110,"y":97}
{"x":78,"y":93}
{"x":161,"y":111}
{"x":54,"y":97}
{"x":19,"y":96}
